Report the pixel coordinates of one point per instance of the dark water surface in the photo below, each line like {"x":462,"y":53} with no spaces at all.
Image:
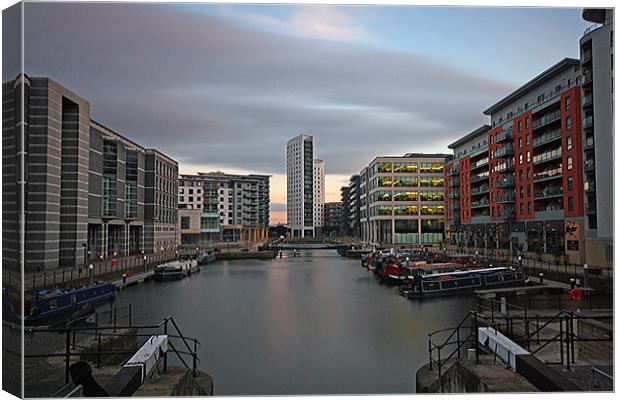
{"x":315,"y":324}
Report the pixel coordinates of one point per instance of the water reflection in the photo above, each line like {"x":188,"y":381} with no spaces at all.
{"x":313,"y":324}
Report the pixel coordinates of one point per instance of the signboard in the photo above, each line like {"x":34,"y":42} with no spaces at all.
{"x":572,"y":245}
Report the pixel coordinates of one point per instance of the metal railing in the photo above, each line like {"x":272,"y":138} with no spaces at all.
{"x":525,"y":327}
{"x":188,"y":347}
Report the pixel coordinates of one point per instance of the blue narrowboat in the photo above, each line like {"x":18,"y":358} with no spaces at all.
{"x":450,"y":283}
{"x":48,"y":305}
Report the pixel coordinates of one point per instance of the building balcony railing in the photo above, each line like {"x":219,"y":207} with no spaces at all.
{"x":453,"y":195}
{"x":592,"y":28}
{"x":504,"y":136}
{"x":588,"y":143}
{"x":546,"y":119}
{"x":479,"y":190}
{"x":587,"y":78}
{"x":586,"y":101}
{"x":504,"y":151}
{"x":588,"y":165}
{"x":547,"y":156}
{"x":478,"y":178}
{"x":586,"y":57}
{"x":454,"y":183}
{"x":505,"y":198}
{"x":506,"y":213}
{"x":453,"y":171}
{"x":548,"y":192}
{"x":509,"y":181}
{"x":548,"y":174}
{"x":587,"y":122}
{"x":480,"y":203}
{"x":480,"y":163}
{"x":509,"y":165}
{"x":547,"y":137}
{"x":589,"y":186}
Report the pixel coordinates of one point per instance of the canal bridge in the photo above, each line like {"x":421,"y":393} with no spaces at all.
{"x":308,"y":246}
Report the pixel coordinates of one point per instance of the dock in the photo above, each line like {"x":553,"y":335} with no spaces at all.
{"x":133,"y":279}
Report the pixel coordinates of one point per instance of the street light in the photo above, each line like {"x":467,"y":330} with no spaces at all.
{"x":585,"y":275}
{"x":91,"y":277}
{"x":520,"y":261}
{"x":145,"y":266}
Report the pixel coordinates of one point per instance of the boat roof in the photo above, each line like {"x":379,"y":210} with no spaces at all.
{"x":468,"y":272}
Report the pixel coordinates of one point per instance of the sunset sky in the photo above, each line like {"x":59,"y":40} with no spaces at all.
{"x":223,"y":87}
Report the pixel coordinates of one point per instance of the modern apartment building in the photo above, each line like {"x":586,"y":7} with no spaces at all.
{"x":402,"y":200}
{"x":225,"y":207}
{"x":597,"y":65}
{"x":88,"y":192}
{"x":517,"y":184}
{"x":318,"y":202}
{"x":351,"y":207}
{"x":334,"y":221}
{"x":304,"y":176}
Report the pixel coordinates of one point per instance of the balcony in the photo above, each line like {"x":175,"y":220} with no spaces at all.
{"x":505,"y":151}
{"x":547,"y":156}
{"x":479,"y":190}
{"x":547,"y":119}
{"x":504,"y":136}
{"x":480,"y":203}
{"x":509,"y":181}
{"x":589,"y":186}
{"x":548,"y":174}
{"x":454,"y":207}
{"x":586,"y":57}
{"x":506,"y":213}
{"x":588,"y":143}
{"x":479,"y":178}
{"x":548,"y":193}
{"x":587,"y":122}
{"x":548,"y":137}
{"x":588,"y":165}
{"x":480,"y":163}
{"x":454,"y":183}
{"x":509,"y":165}
{"x":453,"y":195}
{"x":453,"y":171}
{"x":505,"y":198}
{"x":586,"y":101}
{"x":587,"y":78}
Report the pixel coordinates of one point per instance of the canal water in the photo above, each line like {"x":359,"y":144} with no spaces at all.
{"x":314,"y":324}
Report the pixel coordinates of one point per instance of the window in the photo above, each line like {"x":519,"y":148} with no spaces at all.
{"x":569,"y":143}
{"x":184,"y":222}
{"x":558,"y":88}
{"x":571,"y":204}
{"x":520,"y":159}
{"x":569,"y":123}
{"x":529,"y":208}
{"x":527,"y":120}
{"x":569,"y":163}
{"x":527,"y":140}
{"x":569,"y":183}
{"x":540,"y":98}
{"x":519,"y":126}
{"x":567,"y":103}
{"x":528,"y":156}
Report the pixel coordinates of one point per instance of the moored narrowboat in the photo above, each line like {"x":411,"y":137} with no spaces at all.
{"x":458,"y":282}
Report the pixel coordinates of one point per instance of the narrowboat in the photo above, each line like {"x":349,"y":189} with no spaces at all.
{"x":47,"y":306}
{"x":458,"y":282}
{"x":422,"y":268}
{"x":175,"y":269}
{"x":206,"y":258}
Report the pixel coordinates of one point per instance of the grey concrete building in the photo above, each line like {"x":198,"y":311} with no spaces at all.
{"x":234,"y":207}
{"x":86,"y":187}
{"x":334,"y":222}
{"x":597,"y":64}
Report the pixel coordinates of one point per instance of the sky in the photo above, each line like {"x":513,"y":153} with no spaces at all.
{"x":224,"y":86}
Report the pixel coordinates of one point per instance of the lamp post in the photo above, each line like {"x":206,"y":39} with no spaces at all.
{"x":585,"y":275}
{"x":91,"y":277}
{"x":520,"y":261}
{"x":476,"y":256}
{"x":145,"y":264}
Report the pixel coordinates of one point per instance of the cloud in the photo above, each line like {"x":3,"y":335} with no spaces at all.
{"x":312,"y":21}
{"x":211,"y":92}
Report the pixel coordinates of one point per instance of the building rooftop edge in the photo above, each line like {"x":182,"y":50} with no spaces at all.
{"x":540,"y":78}
{"x":478,"y":131}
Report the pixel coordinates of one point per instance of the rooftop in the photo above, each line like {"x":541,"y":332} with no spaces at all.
{"x":478,"y":132}
{"x":537,"y":81}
